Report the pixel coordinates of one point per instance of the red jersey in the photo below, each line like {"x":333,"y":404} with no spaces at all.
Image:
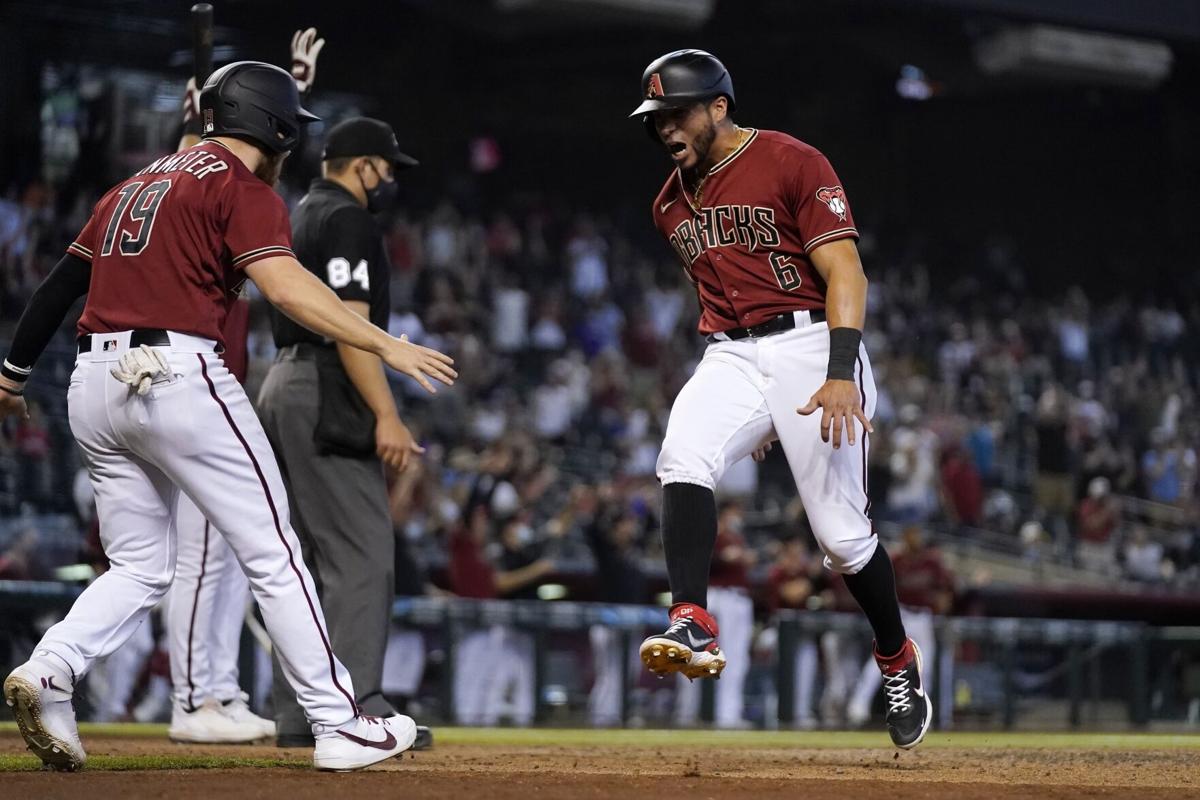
{"x":922,"y":580}
{"x":728,"y":574}
{"x":745,"y":240}
{"x":169,"y":245}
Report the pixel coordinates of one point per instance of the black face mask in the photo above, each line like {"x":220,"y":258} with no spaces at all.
{"x":383,"y":196}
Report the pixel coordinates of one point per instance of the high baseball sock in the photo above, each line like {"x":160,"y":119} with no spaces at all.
{"x":689,"y":532}
{"x":874,"y":587}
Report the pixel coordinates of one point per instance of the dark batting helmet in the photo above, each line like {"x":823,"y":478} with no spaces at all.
{"x":680,"y":79}
{"x":253,"y":101}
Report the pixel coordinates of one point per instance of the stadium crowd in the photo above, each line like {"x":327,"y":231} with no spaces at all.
{"x":1045,"y":419}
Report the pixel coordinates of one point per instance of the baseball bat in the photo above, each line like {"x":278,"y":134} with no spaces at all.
{"x":202,"y":42}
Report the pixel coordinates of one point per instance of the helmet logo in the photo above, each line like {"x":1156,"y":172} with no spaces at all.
{"x":208,"y":120}
{"x":835,"y":198}
{"x":654,"y":87}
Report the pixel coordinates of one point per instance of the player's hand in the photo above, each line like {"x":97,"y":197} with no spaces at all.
{"x":394,"y":442}
{"x":12,"y":404}
{"x":305,"y":49}
{"x":140,"y":367}
{"x":760,"y":454}
{"x":191,"y":101}
{"x":418,"y":362}
{"x":841,"y":404}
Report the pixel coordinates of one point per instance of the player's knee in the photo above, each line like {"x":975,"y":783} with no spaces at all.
{"x":848,"y":557}
{"x":678,"y":462}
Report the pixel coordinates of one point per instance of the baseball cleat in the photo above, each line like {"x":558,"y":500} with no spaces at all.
{"x":40,"y":697}
{"x":909,"y":708}
{"x":688,"y":646}
{"x":238,"y":710}
{"x":363,"y":741}
{"x":210,"y":724}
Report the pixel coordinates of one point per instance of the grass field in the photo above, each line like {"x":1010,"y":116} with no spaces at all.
{"x":689,"y":739}
{"x":548,"y":762}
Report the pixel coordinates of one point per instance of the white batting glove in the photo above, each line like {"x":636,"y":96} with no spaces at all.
{"x":140,"y":367}
{"x":191,"y":101}
{"x":305,"y":49}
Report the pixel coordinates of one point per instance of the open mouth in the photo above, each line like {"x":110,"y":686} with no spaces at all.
{"x":676,"y":149}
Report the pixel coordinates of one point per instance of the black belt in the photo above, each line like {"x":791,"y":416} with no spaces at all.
{"x":784,"y":322}
{"x":153,"y":337}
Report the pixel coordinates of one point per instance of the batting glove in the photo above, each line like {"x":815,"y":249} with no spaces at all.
{"x":305,"y":49}
{"x":140,"y":367}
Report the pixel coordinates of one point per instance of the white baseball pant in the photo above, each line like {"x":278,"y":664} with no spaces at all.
{"x":195,"y":432}
{"x":745,"y":393}
{"x":205,"y":611}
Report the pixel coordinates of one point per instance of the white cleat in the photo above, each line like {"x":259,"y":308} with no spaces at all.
{"x":208,"y":724}
{"x":238,"y":710}
{"x":362,"y":742}
{"x":40,"y":696}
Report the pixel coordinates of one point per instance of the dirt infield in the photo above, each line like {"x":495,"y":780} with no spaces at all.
{"x":577,"y":770}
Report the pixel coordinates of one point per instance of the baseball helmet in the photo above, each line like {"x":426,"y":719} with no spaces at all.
{"x":680,"y":79}
{"x":253,"y":101}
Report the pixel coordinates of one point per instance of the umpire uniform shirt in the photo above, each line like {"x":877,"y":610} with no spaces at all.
{"x":338,"y":241}
{"x":339,"y":504}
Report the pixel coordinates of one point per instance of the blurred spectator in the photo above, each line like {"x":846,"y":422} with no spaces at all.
{"x":1096,"y":521}
{"x":1168,"y":469}
{"x":21,"y":561}
{"x":962,"y":488}
{"x":1054,"y":489}
{"x":1143,"y":557}
{"x":793,"y":579}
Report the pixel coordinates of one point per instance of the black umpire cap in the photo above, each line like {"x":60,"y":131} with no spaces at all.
{"x":363,"y":136}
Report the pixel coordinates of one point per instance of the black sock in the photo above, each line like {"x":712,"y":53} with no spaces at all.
{"x":689,"y":532}
{"x":874,"y":587}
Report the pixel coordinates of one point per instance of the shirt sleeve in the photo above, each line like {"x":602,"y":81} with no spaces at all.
{"x":84,"y":244}
{"x":350,"y":244}
{"x":821,"y":208}
{"x":257,"y":225}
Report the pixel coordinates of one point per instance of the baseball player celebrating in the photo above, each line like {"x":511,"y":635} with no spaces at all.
{"x":156,"y":413}
{"x":205,"y":608}
{"x":762,"y":226}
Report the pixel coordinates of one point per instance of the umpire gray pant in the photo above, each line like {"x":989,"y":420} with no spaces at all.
{"x":340,"y":512}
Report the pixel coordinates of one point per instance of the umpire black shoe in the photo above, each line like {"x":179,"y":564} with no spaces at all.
{"x":909,"y":710}
{"x":424,"y":738}
{"x":689,"y":645}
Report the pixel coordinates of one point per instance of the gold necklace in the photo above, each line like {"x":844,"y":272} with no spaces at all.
{"x":743,"y":135}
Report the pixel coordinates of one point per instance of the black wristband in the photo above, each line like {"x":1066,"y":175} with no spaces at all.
{"x":843,"y":352}
{"x":13,"y":392}
{"x":13,"y":372}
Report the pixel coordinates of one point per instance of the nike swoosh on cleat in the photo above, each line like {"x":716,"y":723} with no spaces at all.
{"x":386,"y":744}
{"x":50,"y":684}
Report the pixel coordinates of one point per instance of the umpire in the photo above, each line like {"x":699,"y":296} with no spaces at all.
{"x":332,"y":419}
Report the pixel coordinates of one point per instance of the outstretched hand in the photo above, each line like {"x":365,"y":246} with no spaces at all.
{"x":841,"y":404}
{"x":417,"y":362}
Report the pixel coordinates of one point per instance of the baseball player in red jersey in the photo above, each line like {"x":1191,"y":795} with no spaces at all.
{"x":762,"y":227}
{"x":156,"y":413}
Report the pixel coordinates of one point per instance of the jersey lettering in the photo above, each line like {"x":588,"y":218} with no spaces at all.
{"x":141,"y":213}
{"x":753,"y":227}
